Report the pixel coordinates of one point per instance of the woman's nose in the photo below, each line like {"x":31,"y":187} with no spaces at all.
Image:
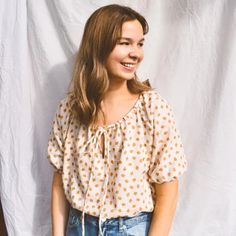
{"x":135,"y":52}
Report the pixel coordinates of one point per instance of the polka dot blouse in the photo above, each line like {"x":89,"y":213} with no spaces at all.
{"x":141,"y":149}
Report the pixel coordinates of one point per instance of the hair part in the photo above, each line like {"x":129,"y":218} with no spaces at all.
{"x":90,"y":79}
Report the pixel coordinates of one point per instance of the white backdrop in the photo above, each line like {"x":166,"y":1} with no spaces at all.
{"x":190,"y":57}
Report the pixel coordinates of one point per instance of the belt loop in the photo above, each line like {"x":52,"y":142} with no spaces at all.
{"x":100,"y":226}
{"x":121,"y":225}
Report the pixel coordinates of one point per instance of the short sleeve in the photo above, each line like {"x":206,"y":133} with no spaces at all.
{"x":57,"y":138}
{"x":168,"y":160}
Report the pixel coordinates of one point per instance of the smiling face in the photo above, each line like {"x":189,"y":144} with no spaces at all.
{"x":127,"y":54}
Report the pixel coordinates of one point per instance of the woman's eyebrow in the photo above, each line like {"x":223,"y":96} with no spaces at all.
{"x":130,"y":39}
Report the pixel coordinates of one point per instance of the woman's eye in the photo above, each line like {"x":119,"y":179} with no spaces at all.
{"x":140,"y":45}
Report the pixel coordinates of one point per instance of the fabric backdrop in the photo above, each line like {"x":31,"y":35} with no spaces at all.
{"x":190,"y":57}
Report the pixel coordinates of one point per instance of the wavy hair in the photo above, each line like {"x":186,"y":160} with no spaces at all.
{"x":90,"y":79}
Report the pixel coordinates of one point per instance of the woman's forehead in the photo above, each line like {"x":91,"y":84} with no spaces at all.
{"x":132,"y":29}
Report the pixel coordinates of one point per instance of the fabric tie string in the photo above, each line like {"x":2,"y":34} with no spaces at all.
{"x":94,"y":140}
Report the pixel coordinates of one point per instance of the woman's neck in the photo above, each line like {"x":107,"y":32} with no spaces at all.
{"x":117,"y":91}
{"x":117,"y":102}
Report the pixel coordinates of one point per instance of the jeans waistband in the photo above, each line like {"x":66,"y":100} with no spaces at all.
{"x":141,"y":217}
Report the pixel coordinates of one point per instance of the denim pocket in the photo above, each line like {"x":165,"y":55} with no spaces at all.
{"x":140,"y":226}
{"x":141,"y":229}
{"x":74,"y":218}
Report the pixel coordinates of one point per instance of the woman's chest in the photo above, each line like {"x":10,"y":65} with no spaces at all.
{"x":119,"y":150}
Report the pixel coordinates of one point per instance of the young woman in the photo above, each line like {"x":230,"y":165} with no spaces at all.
{"x":114,"y":143}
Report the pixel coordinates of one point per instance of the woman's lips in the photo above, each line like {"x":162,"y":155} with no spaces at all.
{"x":129,"y":66}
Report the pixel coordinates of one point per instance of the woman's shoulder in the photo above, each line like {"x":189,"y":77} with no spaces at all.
{"x":65,"y":104}
{"x":64,"y":112}
{"x":152,"y":98}
{"x":157,"y":109}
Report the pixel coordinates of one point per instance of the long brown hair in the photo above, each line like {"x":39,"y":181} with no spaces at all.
{"x":90,"y":77}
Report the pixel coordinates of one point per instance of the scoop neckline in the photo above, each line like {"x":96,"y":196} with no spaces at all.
{"x":136,"y":104}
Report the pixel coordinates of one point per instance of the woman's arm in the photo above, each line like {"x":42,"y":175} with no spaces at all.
{"x":59,"y":207}
{"x":165,"y":205}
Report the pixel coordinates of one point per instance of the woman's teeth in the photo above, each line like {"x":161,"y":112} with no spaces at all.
{"x":128,"y":65}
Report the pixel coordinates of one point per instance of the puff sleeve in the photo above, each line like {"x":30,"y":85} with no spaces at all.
{"x":168,"y":160}
{"x":56,"y":141}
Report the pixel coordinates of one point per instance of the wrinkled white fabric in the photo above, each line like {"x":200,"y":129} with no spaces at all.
{"x":190,"y":57}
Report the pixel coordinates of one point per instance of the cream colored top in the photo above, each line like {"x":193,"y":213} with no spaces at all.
{"x":141,"y":149}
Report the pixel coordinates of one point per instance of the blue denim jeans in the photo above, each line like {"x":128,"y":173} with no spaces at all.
{"x":122,"y":226}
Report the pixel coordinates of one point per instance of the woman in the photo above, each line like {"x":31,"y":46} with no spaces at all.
{"x":114,"y":144}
